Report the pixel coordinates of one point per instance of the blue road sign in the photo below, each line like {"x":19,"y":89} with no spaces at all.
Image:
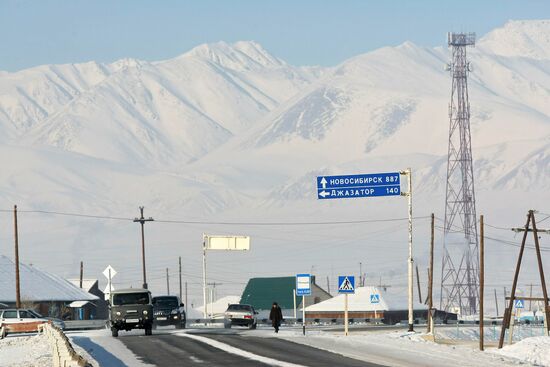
{"x":375,"y":298}
{"x":518,"y":303}
{"x":346,"y":284}
{"x":303,"y":284}
{"x":354,"y":186}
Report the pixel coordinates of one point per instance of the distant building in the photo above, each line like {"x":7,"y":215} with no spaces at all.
{"x":47,"y":293}
{"x":89,"y":310}
{"x":262,"y":292}
{"x":369,"y":303}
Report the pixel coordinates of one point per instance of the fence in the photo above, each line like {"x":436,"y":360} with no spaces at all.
{"x":63,"y":353}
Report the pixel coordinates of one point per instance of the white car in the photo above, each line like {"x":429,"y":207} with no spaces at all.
{"x":241,"y":315}
{"x":13,"y":316}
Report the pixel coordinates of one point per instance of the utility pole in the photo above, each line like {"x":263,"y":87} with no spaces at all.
{"x":17,"y":284}
{"x":481,"y":279}
{"x":530,"y":295}
{"x":167,"y":282}
{"x":142,"y":221}
{"x":531,"y":222}
{"x":186,"y":298}
{"x":496,"y":301}
{"x":180,"y":279}
{"x":81,"y":273}
{"x":418,"y":283}
{"x":328,"y":285}
{"x":431,"y":278}
{"x":360,"y":274}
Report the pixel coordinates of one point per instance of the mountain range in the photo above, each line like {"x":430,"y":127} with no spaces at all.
{"x":228,"y":133}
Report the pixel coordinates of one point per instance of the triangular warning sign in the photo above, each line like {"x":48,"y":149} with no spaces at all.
{"x":518,"y":303}
{"x":346,"y":285}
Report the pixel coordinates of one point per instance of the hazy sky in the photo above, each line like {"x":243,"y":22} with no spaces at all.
{"x":302,"y":32}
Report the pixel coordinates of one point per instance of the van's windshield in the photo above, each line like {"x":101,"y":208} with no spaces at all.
{"x":121,"y":299}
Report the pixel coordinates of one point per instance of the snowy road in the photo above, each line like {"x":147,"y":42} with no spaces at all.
{"x":231,"y":347}
{"x":262,"y":347}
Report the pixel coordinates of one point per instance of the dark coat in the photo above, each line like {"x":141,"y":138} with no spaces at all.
{"x":276,"y":316}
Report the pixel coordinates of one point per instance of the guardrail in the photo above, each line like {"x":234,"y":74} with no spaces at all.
{"x":63,"y":353}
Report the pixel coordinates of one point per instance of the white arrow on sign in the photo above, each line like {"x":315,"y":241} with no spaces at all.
{"x":324,"y":193}
{"x":324,"y":183}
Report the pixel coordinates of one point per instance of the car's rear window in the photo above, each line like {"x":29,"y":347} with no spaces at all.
{"x":168,"y":302}
{"x":25,"y":314}
{"x":239,"y":308}
{"x":130,"y":299}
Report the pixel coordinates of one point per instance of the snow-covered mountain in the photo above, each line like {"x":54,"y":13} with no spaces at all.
{"x":232,"y":133}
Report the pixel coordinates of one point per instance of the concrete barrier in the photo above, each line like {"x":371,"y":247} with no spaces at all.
{"x":63,"y":353}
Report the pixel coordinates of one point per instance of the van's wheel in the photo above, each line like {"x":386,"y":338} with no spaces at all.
{"x":114,"y":332}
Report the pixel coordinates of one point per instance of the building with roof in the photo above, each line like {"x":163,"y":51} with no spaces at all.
{"x":49,"y":294}
{"x":262,"y":292}
{"x":371,"y":303}
{"x":89,"y":310}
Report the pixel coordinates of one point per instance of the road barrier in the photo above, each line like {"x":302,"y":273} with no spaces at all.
{"x":63,"y":353}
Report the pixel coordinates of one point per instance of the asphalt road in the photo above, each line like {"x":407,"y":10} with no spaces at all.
{"x":169,"y":349}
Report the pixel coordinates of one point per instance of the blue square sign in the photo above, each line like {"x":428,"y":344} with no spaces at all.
{"x":346,"y":284}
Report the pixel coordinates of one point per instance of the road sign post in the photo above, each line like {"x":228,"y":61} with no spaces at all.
{"x":368,"y":185}
{"x":109,"y":273}
{"x":355,"y":186}
{"x":225,"y":243}
{"x":303,"y":288}
{"x":346,"y":285}
{"x":374,"y":300}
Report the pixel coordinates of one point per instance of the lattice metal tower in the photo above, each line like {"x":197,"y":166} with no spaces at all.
{"x":459,"y":280}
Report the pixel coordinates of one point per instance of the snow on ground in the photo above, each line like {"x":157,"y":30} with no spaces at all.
{"x":101,"y":349}
{"x":398,"y":348}
{"x":533,"y":350}
{"x":25,"y":351}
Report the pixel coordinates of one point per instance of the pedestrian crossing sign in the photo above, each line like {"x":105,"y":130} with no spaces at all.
{"x":518,"y":303}
{"x":375,"y":298}
{"x":346,"y":284}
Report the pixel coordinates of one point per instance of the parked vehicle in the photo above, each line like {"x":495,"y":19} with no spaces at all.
{"x":20,"y":320}
{"x":131,"y":309}
{"x":240,"y":315}
{"x":168,"y":310}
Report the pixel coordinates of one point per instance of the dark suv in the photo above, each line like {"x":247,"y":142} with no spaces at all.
{"x":131,"y":309}
{"x":168,"y":310}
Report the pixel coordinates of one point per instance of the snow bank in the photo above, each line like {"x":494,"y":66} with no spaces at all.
{"x":25,"y":351}
{"x":534,"y":350}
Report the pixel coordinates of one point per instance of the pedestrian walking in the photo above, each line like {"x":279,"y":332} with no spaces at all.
{"x":276,"y":316}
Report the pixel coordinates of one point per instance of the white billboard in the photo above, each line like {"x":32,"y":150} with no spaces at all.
{"x":239,"y":243}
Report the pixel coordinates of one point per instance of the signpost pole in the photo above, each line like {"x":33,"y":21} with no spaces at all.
{"x":204,"y":275}
{"x":304,"y":314}
{"x":294,"y":296}
{"x":407,"y":173}
{"x":346,"y":322}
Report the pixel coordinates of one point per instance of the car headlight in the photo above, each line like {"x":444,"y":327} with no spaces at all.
{"x":118,"y":313}
{"x":145,"y":312}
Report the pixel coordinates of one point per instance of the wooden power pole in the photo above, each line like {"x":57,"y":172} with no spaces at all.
{"x":431,"y":278}
{"x":17,"y":284}
{"x":81,"y":273}
{"x":530,"y":226}
{"x":181,"y":299}
{"x":481,"y":279}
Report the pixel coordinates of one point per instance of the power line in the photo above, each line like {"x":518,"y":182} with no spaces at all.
{"x":204,"y":222}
